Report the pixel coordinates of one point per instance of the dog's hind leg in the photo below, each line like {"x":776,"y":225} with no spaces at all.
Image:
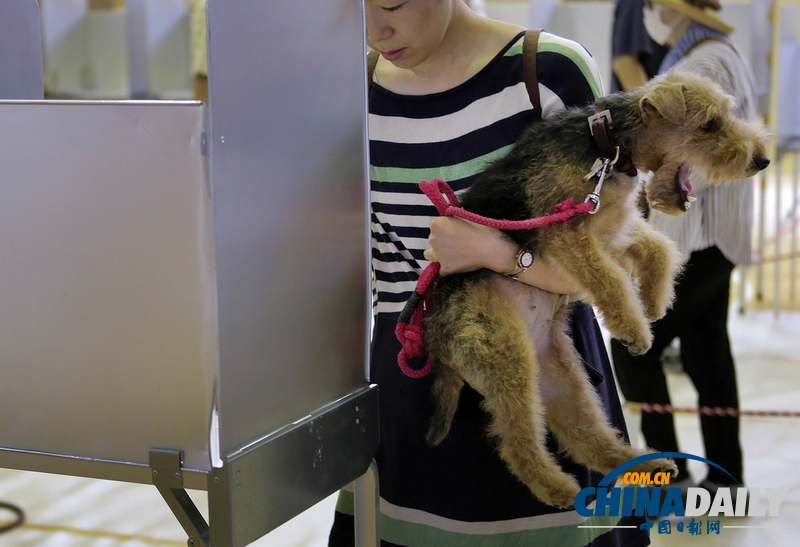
{"x":489,"y":347}
{"x":575,"y":414}
{"x":656,"y":263}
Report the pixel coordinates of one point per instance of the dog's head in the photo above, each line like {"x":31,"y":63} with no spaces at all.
{"x":688,"y":123}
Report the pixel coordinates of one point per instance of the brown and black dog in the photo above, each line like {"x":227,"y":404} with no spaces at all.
{"x":509,"y":341}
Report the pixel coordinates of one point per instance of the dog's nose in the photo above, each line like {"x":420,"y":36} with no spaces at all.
{"x":761,"y":162}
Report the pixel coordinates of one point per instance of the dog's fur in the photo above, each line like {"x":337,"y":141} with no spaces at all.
{"x":509,"y":341}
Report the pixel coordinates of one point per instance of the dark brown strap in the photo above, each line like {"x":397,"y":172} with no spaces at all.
{"x":608,"y":146}
{"x":372,"y":60}
{"x":529,"y":46}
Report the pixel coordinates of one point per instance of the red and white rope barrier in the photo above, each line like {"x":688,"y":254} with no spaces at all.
{"x":709,"y":411}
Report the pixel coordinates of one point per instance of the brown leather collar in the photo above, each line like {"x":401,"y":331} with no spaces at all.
{"x":599,"y":125}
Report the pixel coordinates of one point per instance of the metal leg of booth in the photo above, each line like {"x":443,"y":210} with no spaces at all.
{"x":367,"y":508}
{"x":167,"y":472}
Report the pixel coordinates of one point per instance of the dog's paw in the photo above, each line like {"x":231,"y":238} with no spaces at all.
{"x":657,"y":298}
{"x":560,"y":492}
{"x":637,"y":343}
{"x":661,"y":465}
{"x":655,"y":311}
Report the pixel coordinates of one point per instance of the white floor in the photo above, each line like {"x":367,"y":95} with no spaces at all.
{"x":77,"y":512}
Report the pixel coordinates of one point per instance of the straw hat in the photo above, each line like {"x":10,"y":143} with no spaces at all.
{"x":702,"y":11}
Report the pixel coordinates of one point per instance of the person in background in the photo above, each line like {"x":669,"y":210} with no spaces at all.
{"x":448,"y":95}
{"x":714,"y":236}
{"x":635,"y":56}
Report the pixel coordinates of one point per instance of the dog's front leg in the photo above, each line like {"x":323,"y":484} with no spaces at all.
{"x":656,"y":263}
{"x":609,"y":286}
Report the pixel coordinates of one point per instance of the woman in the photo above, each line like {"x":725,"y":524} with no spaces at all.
{"x":447,"y":96}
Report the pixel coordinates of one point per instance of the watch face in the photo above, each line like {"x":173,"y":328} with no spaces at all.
{"x":526,"y":259}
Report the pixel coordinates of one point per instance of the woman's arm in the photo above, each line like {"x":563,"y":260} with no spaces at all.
{"x":462,"y":246}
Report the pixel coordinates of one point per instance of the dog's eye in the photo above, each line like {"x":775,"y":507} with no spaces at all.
{"x":710,"y":126}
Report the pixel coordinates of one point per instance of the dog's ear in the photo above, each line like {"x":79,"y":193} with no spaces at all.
{"x":664,"y":100}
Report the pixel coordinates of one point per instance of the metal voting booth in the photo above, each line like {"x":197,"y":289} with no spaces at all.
{"x":184,"y":293}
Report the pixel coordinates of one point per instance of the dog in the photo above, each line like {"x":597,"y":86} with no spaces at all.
{"x":509,"y":341}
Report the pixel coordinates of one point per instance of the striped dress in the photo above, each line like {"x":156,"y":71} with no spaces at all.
{"x":723,"y":214}
{"x":460,"y":492}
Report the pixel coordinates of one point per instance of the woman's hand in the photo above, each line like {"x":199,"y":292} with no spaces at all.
{"x":461,"y":246}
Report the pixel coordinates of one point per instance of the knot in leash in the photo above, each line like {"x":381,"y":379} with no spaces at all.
{"x":410,"y":330}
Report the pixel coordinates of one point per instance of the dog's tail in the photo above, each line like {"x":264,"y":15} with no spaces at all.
{"x":445,"y":392}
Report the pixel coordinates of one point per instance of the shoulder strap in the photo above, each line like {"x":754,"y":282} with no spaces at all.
{"x":529,"y":47}
{"x":372,"y":60}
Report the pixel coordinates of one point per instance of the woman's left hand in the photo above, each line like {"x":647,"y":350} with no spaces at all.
{"x":462,"y":246}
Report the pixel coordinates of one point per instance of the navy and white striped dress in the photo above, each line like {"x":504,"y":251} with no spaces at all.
{"x":460,"y":492}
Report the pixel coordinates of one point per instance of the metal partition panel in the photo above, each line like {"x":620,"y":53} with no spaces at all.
{"x":107,"y":290}
{"x":21,"y":72}
{"x":287,"y":87}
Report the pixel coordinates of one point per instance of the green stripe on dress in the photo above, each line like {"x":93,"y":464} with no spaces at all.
{"x":573,"y":55}
{"x":579,"y":61}
{"x":421,"y":535}
{"x":513,"y":50}
{"x":446,"y":173}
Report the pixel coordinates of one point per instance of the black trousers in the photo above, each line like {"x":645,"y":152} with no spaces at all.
{"x":699,"y":318}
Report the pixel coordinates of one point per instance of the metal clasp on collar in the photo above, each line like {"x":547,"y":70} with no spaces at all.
{"x":599,"y":164}
{"x":602,"y":169}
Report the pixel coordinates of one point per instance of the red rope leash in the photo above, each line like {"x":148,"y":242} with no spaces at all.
{"x":708,"y":410}
{"x":560,"y":213}
{"x":409,"y":330}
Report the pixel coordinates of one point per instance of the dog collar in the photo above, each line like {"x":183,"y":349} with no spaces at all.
{"x":599,"y":125}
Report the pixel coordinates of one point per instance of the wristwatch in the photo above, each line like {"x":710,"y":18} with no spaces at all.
{"x":524,"y":261}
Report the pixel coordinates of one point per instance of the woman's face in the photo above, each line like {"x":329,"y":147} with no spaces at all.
{"x":406,"y":32}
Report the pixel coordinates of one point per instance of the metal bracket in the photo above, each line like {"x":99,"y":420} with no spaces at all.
{"x":166,"y":466}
